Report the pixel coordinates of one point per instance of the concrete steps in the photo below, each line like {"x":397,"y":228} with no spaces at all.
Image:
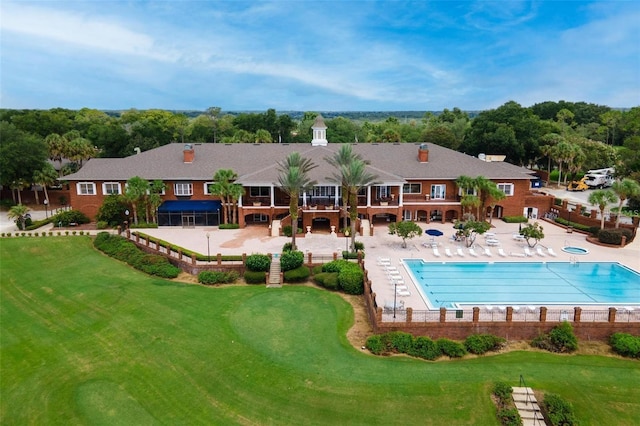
{"x":274,"y":274}
{"x":527,"y":406}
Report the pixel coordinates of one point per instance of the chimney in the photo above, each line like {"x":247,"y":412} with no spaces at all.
{"x":423,"y":153}
{"x":188,"y":153}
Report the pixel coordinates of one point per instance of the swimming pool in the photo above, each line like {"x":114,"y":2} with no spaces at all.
{"x":452,"y":285}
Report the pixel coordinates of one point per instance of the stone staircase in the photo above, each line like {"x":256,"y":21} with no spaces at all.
{"x":527,"y":406}
{"x":274,"y":273}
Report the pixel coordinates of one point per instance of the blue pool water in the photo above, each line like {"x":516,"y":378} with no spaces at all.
{"x":451,"y":285}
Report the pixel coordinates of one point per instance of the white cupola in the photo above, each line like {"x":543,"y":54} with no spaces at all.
{"x":319,"y":132}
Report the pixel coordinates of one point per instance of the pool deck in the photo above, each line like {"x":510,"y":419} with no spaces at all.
{"x":256,"y":239}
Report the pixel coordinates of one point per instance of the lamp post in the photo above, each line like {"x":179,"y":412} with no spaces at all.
{"x":208,"y":251}
{"x":126,"y":221}
{"x":46,"y":208}
{"x":395,"y":295}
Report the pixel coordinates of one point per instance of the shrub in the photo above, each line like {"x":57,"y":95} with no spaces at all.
{"x":400,"y":341}
{"x":258,"y":262}
{"x":374,"y":344}
{"x":482,"y":343}
{"x":102,"y":224}
{"x":286,"y":230}
{"x":287,"y":247}
{"x":124,"y":250}
{"x":515,"y":219}
{"x":334,"y":266}
{"x":316,"y":269}
{"x":559,"y":411}
{"x":424,"y":347}
{"x":255,"y":277}
{"x":229,"y":226}
{"x":70,"y":216}
{"x":112,"y":210}
{"x":351,"y":254}
{"x":575,"y":225}
{"x":291,"y":260}
{"x":614,"y":236}
{"x":328,"y":280}
{"x":509,"y":417}
{"x":35,"y":224}
{"x":560,"y":339}
{"x":297,"y":275}
{"x":503,"y":392}
{"x":216,"y":277}
{"x":625,"y":344}
{"x":450,"y":348}
{"x":351,"y":280}
{"x":143,"y":225}
{"x":359,"y":246}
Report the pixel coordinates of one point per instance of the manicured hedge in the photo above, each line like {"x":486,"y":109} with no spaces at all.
{"x":350,"y":276}
{"x":122,"y":249}
{"x":420,"y":347}
{"x":216,"y":277}
{"x":229,"y":226}
{"x":614,"y":236}
{"x":255,"y":277}
{"x":515,"y":219}
{"x":328,"y":280}
{"x":297,"y":275}
{"x":258,"y":262}
{"x":35,"y":224}
{"x":290,"y":260}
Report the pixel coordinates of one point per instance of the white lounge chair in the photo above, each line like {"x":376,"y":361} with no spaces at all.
{"x":436,"y":253}
{"x":472,"y":252}
{"x":501,"y":252}
{"x":448,"y":252}
{"x":528,"y":252}
{"x":391,"y":269}
{"x":403,"y":293}
{"x":460,"y":252}
{"x":551,"y":252}
{"x":487,"y":252}
{"x":540,"y":252}
{"x":384,"y":261}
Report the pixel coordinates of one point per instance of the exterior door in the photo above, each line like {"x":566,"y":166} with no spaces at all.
{"x":188,"y":220}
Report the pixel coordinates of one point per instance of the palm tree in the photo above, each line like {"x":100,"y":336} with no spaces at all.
{"x":235,"y":192}
{"x":624,"y":189}
{"x":483,"y":186}
{"x":155,"y":199}
{"x":294,"y":179}
{"x":18,"y":213}
{"x":135,"y":192}
{"x":343,"y":157}
{"x":45,"y":177}
{"x":562,"y":152}
{"x":601,"y":198}
{"x":56,"y":147}
{"x":356,"y":176}
{"x":496,"y":195}
{"x":228,"y":192}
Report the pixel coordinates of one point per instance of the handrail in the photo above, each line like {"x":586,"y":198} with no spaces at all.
{"x":526,"y":389}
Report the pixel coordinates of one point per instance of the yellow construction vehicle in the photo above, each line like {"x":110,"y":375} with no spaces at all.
{"x":578,"y":185}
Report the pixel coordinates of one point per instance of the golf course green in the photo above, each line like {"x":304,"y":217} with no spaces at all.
{"x":85,"y":339}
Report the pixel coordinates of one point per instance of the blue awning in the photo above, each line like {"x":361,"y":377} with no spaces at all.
{"x":189,"y":206}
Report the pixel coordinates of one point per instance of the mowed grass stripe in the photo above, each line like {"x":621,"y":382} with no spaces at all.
{"x":86,"y":340}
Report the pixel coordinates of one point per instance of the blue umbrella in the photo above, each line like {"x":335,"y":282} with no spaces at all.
{"x":434,"y":232}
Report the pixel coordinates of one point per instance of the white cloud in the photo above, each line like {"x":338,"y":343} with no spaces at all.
{"x":78,"y":29}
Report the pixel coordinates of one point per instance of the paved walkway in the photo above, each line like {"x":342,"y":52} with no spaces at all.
{"x":256,"y":239}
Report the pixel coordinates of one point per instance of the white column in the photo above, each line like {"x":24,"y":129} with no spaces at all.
{"x":304,"y":199}
{"x":336,"y":197}
{"x":368,"y":196}
{"x":240,"y":201}
{"x":400,"y":196}
{"x":272,"y":190}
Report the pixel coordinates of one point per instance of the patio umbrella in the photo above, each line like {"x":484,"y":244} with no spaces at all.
{"x":434,"y":232}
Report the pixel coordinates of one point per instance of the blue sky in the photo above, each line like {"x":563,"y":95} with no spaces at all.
{"x":317,"y":55}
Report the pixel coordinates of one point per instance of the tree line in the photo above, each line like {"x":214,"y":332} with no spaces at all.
{"x":570,"y":137}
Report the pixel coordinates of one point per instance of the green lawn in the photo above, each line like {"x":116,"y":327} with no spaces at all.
{"x":86,"y":340}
